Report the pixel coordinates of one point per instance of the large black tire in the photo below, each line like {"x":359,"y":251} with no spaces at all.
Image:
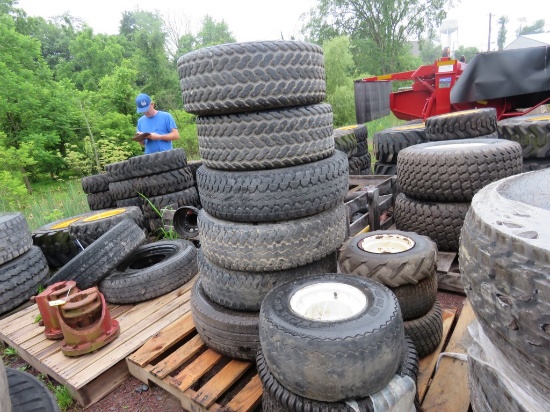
{"x":389,"y":142}
{"x":20,"y":278}
{"x":15,"y":237}
{"x":28,"y":394}
{"x":360,"y":165}
{"x":504,"y":259}
{"x":148,"y":164}
{"x":441,"y":222}
{"x":393,"y":258}
{"x":426,"y":331}
{"x":345,"y":141}
{"x":361,"y":136}
{"x":95,"y":183}
{"x":266,"y":139}
{"x":454,"y":171}
{"x":229,"y":332}
{"x":275,"y":194}
{"x":531,"y":131}
{"x":102,"y":256}
{"x":187,"y":197}
{"x":417,"y":300}
{"x":245,"y":77}
{"x":241,"y":290}
{"x":90,"y":228}
{"x":331,"y":359}
{"x":386,"y":169}
{"x":465,"y":124}
{"x":100,"y":200}
{"x":150,"y":271}
{"x":272,"y":246}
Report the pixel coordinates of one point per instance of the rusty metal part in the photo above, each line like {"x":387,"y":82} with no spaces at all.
{"x":86,"y":323}
{"x":59,"y":291}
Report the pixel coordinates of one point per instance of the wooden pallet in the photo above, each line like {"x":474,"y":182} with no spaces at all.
{"x":448,"y":274}
{"x":92,"y":376}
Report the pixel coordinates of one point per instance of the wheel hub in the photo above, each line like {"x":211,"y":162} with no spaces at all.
{"x":386,"y":243}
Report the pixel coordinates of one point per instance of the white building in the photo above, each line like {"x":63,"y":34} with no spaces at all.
{"x":530,"y":40}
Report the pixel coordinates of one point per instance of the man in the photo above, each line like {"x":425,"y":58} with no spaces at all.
{"x":159,"y":126}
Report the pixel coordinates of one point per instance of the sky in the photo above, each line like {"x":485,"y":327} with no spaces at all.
{"x":252,"y":20}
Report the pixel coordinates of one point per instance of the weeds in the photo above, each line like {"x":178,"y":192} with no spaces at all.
{"x":37,"y":318}
{"x":167,"y":234}
{"x":62,"y":396}
{"x":9,"y":351}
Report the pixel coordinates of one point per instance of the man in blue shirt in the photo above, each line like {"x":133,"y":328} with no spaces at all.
{"x":160,"y":126}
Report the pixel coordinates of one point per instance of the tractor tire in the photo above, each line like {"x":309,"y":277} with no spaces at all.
{"x":389,"y":142}
{"x":15,"y":237}
{"x":465,"y":124}
{"x":441,"y":222}
{"x":102,"y":256}
{"x":28,"y":394}
{"x":385,"y":169}
{"x":241,"y":290}
{"x":130,"y":202}
{"x":417,"y":300}
{"x":360,"y":165}
{"x":145,"y":165}
{"x":426,"y":331}
{"x":391,"y":257}
{"x":229,"y":332}
{"x":152,"y":207}
{"x":267,"y":139}
{"x":150,"y":271}
{"x":274,"y":194}
{"x":454,"y":171}
{"x":100,"y":200}
{"x":251,"y":76}
{"x":531,"y":131}
{"x":345,"y":141}
{"x":351,"y":353}
{"x":272,"y":246}
{"x":361,"y":136}
{"x":193,"y":166}
{"x":95,"y":183}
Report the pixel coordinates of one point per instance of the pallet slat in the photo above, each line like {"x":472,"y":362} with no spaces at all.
{"x":196,"y":370}
{"x":223,"y":380}
{"x":249,"y":397}
{"x":178,"y":358}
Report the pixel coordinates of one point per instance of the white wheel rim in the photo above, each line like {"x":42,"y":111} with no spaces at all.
{"x":456,"y":146}
{"x":328,"y":302}
{"x":386,"y":244}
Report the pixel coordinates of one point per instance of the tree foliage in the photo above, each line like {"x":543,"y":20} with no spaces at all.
{"x":467,"y":52}
{"x":536,"y":27}
{"x":501,"y":37}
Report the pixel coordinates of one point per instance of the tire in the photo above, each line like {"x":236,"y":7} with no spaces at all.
{"x":391,"y":257}
{"x":28,"y":394}
{"x":441,"y":222}
{"x":389,"y":142}
{"x":417,"y":300}
{"x":531,"y":131}
{"x":241,"y":290}
{"x":426,"y":331}
{"x":187,"y":197}
{"x":361,"y":136}
{"x":251,"y":76}
{"x":95,"y":183}
{"x":229,"y":332}
{"x":100,"y":200}
{"x":532,"y":165}
{"x":330,"y":359}
{"x":454,"y":171}
{"x":193,"y":165}
{"x":149,"y":164}
{"x":20,"y":278}
{"x":266,"y":139}
{"x":90,"y":228}
{"x":345,"y":141}
{"x":5,"y":402}
{"x":132,"y":201}
{"x":385,"y":169}
{"x":276,"y":194}
{"x":464,"y":124}
{"x":102,"y":256}
{"x":358,"y":165}
{"x":15,"y":237}
{"x":272,"y":246}
{"x":150,"y":271}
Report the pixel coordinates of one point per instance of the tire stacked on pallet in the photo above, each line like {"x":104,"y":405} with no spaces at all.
{"x":405,"y":262}
{"x":353,"y":141}
{"x":504,"y":258}
{"x":23,"y":267}
{"x":271,"y":184}
{"x":97,"y":191}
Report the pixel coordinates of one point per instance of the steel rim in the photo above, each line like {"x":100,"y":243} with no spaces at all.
{"x":386,"y":244}
{"x":104,"y":215}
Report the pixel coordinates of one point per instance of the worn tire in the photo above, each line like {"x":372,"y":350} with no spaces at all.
{"x":150,"y":271}
{"x":395,"y":268}
{"x":15,"y":237}
{"x":386,"y":169}
{"x":345,"y":141}
{"x":441,"y":222}
{"x":102,"y":256}
{"x":426,"y":331}
{"x":229,"y":332}
{"x":464,"y":124}
{"x":360,"y":165}
{"x":241,"y":290}
{"x":332,"y":360}
{"x":28,"y":394}
{"x":272,"y":246}
{"x":389,"y":142}
{"x":417,"y":300}
{"x":454,"y":171}
{"x":100,"y":200}
{"x":531,"y":131}
{"x":275,"y":194}
{"x":149,"y":164}
{"x":537,"y":164}
{"x":95,"y":183}
{"x":187,"y":197}
{"x":250,"y":76}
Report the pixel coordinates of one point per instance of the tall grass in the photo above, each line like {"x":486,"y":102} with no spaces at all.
{"x":384,"y":123}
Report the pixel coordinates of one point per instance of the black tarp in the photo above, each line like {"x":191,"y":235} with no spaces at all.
{"x":505,"y":73}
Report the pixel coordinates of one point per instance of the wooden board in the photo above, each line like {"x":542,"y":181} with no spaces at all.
{"x":92,"y":376}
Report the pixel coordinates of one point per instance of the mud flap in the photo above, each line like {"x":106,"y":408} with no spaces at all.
{"x":372,"y":100}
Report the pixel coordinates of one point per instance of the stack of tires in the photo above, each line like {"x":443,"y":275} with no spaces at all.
{"x":97,"y":191}
{"x":353,"y":141}
{"x":23,"y":267}
{"x":504,"y":258}
{"x":405,"y":262}
{"x":334,"y":342}
{"x":271,"y":184}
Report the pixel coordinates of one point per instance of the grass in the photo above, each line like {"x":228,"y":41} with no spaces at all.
{"x":384,"y":123}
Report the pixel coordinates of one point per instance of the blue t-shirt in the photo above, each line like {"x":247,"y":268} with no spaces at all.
{"x":161,"y":123}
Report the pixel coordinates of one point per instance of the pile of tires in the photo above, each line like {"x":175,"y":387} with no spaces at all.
{"x":353,"y":141}
{"x":334,"y":342}
{"x":271,"y":185}
{"x":504,"y":258}
{"x":406,"y":263}
{"x":23,"y":267}
{"x":97,"y":191}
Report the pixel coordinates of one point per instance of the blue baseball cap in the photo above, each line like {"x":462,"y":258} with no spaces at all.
{"x":143,"y":102}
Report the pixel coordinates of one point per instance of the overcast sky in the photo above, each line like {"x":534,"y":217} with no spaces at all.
{"x":251,"y":20}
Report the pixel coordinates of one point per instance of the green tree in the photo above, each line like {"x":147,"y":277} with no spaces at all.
{"x":429,"y":51}
{"x":468,"y":52}
{"x":536,"y":27}
{"x":213,"y":33}
{"x":501,"y":37}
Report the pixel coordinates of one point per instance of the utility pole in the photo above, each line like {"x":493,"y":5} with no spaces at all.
{"x":489,"y":40}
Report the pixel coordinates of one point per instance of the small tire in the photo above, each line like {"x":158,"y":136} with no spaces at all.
{"x":464,"y":124}
{"x":15,"y":237}
{"x":426,"y":331}
{"x":389,"y":142}
{"x":28,"y":394}
{"x":417,"y":300}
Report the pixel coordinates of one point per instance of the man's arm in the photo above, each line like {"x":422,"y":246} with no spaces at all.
{"x":173,"y":135}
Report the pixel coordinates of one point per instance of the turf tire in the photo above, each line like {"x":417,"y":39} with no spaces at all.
{"x":426,"y":331}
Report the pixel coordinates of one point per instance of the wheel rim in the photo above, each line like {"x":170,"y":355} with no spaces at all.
{"x":65,"y":224}
{"x":104,"y":215}
{"x":386,"y":244}
{"x":456,"y":146}
{"x":328,"y":302}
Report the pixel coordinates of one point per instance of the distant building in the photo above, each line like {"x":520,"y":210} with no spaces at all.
{"x":530,"y":40}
